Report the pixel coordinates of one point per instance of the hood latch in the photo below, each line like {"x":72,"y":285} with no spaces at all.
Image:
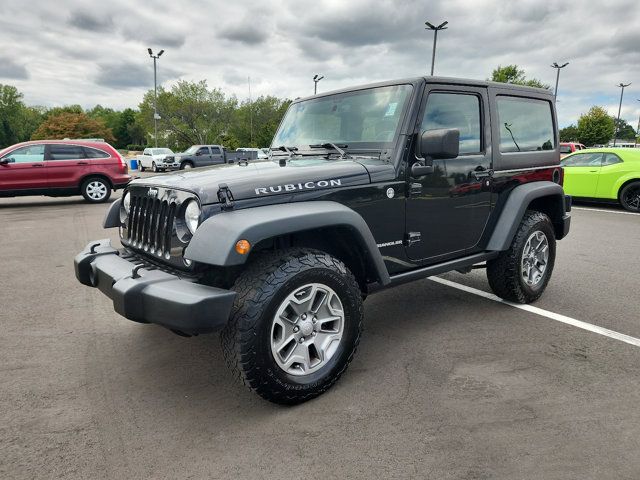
{"x":225,"y":197}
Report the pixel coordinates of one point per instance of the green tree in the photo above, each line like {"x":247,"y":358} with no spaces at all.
{"x":515,"y":75}
{"x":256,"y":122}
{"x":569,"y":134}
{"x":190,"y":113}
{"x":72,"y":125}
{"x":595,"y":127}
{"x":624,"y":131}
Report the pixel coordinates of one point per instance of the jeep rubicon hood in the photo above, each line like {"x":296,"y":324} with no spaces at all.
{"x":264,"y":178}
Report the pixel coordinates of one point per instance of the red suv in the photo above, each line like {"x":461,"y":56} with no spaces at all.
{"x":61,"y":168}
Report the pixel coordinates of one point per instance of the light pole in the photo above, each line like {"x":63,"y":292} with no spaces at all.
{"x":557,"y":67}
{"x":638,"y":129}
{"x":622,"y":86}
{"x":155,"y":94}
{"x":442,"y":26}
{"x":316,"y":79}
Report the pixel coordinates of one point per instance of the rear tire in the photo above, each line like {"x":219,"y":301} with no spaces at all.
{"x":521,"y":273}
{"x":96,"y":190}
{"x":154,"y":167}
{"x":630,"y":197}
{"x":295,"y":325}
{"x":142,"y":169}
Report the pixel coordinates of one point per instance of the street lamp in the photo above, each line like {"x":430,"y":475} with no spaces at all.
{"x":442,"y":26}
{"x":316,"y":79}
{"x":557,"y":67}
{"x":155,"y":94}
{"x":622,"y":86}
{"x":638,"y":129}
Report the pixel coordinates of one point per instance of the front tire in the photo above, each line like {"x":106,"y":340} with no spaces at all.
{"x":154,"y":167}
{"x":186,"y":166}
{"x":96,"y":190}
{"x":521,"y":273}
{"x":630,"y":197}
{"x":295,"y":325}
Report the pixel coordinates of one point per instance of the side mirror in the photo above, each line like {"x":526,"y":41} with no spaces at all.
{"x":442,"y":143}
{"x":6,"y":160}
{"x":198,"y":154}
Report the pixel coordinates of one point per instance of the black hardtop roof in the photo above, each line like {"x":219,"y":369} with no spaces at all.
{"x":445,"y":80}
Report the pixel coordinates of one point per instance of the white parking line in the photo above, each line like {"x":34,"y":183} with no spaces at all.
{"x":544,"y":313}
{"x":603,"y":210}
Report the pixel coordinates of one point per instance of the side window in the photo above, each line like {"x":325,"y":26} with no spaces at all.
{"x":582,"y":160}
{"x":610,"y":159}
{"x":146,"y":152}
{"x":215,"y":151}
{"x":28,"y":154}
{"x":95,"y":153}
{"x":565,"y":148}
{"x":203,"y":151}
{"x":65,"y":152}
{"x":455,"y":110}
{"x":526,"y":125}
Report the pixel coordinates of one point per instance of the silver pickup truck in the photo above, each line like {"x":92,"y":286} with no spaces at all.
{"x":154,"y":159}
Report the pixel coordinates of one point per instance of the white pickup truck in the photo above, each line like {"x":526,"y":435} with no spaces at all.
{"x":154,"y":159}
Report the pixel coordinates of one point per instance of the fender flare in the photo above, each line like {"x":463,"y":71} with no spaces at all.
{"x":112,"y":217}
{"x":215,"y":239}
{"x":515,"y":207}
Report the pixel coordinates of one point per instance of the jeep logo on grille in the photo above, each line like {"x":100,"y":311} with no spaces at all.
{"x":153,"y":192}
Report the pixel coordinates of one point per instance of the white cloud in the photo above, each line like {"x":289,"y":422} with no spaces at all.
{"x":70,"y":51}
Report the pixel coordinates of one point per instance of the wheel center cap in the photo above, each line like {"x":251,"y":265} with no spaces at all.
{"x":306,"y":327}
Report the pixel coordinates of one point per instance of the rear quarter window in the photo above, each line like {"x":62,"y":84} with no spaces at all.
{"x":525,"y":124}
{"x":95,"y":153}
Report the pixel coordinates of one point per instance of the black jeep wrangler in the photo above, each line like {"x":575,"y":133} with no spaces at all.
{"x":365,"y":188}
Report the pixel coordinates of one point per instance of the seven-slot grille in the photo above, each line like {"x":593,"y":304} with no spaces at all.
{"x":150,"y":224}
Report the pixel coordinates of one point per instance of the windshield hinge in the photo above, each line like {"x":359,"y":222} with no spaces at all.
{"x":225,"y":197}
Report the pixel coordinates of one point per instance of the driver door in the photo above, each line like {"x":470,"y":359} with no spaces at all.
{"x":581,"y":172}
{"x":25,"y":169}
{"x":448,"y":209}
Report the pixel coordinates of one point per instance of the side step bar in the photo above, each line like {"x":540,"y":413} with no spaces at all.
{"x":431,"y":270}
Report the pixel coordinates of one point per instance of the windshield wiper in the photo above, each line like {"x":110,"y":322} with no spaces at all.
{"x":283,"y":148}
{"x":332,"y":146}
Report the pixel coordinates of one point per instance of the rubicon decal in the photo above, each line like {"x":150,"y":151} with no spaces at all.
{"x":292,"y":187}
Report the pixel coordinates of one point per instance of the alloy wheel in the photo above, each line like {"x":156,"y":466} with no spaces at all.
{"x":307,"y":329}
{"x":96,"y":190}
{"x":535,"y":257}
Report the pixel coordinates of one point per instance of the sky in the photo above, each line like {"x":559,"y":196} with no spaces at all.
{"x":81,"y":52}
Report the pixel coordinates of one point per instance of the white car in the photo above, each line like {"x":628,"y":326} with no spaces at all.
{"x":153,"y":158}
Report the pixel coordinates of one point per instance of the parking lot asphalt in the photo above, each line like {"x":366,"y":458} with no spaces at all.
{"x":446,"y":384}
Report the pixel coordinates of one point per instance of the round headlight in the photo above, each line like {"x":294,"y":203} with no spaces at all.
{"x":126,"y":202}
{"x":192,"y":216}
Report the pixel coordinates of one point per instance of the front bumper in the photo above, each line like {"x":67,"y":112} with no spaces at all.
{"x":147,"y":295}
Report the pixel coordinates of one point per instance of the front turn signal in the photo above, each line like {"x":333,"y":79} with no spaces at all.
{"x":243,"y":247}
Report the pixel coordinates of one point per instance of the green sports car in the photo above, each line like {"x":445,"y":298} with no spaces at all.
{"x":604,"y":174}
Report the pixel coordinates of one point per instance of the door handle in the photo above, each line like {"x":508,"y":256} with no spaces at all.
{"x":478,"y":174}
{"x":37,"y":165}
{"x":82,"y":163}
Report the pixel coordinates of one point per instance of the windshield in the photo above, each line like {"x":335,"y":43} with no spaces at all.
{"x":360,"y":119}
{"x":192,"y":149}
{"x":161,"y":151}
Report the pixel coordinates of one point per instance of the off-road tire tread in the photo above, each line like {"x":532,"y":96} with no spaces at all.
{"x":503,"y":272}
{"x":255,"y":287}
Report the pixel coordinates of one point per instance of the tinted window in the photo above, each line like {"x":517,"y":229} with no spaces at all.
{"x":453,"y":110}
{"x":582,"y":160}
{"x":215,"y":151}
{"x":565,"y":148}
{"x":95,"y":153}
{"x":65,"y":152}
{"x":611,"y":159}
{"x":31,"y":153}
{"x":203,"y":151}
{"x":526,"y":125}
